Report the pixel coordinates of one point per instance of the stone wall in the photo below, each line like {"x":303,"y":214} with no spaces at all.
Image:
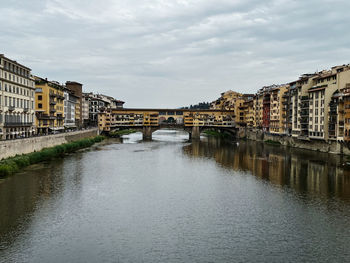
{"x":315,"y":145}
{"x":28,"y":145}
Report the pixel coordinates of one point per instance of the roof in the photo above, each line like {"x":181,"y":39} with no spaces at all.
{"x":14,"y":61}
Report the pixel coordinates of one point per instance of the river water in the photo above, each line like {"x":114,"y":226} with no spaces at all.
{"x":170,"y":200}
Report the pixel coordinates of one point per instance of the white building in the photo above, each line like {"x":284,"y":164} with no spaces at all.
{"x":17,"y":113}
{"x":70,"y":102}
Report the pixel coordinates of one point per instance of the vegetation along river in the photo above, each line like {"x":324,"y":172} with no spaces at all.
{"x":171,"y":200}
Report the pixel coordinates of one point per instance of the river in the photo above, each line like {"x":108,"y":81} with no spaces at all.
{"x":171,"y":200}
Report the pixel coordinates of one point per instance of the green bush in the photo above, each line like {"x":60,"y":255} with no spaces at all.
{"x":12,"y":165}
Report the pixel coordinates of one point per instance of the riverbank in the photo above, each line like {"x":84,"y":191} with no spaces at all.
{"x":118,"y":134}
{"x":331,"y":146}
{"x":10,"y":148}
{"x":13,"y":165}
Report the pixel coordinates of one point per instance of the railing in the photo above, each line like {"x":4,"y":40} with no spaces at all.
{"x":11,"y":108}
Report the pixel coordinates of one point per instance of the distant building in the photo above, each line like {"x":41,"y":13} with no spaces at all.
{"x":85,"y":111}
{"x":77,"y":90}
{"x":17,"y":114}
{"x":100,"y":103}
{"x":70,"y":102}
{"x":278,"y":112}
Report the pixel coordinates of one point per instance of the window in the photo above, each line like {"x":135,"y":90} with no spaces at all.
{"x":40,"y":106}
{"x":40,"y":97}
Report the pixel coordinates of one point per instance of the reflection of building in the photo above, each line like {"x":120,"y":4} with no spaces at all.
{"x":49,"y":105}
{"x":306,"y":172}
{"x":17,"y":114}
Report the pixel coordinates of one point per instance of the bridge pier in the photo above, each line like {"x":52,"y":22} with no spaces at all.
{"x":195,"y":134}
{"x":147,"y":133}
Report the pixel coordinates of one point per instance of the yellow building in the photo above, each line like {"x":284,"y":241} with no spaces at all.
{"x":277,"y":114}
{"x":49,"y":106}
{"x":226,"y":101}
{"x":249,"y":112}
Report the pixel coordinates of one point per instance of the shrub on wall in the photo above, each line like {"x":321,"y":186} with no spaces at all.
{"x":12,"y":165}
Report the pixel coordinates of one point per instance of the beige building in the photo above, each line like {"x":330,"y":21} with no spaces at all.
{"x":85,"y":110}
{"x":300,"y":105}
{"x":277,"y":112}
{"x":17,"y":114}
{"x":326,"y":86}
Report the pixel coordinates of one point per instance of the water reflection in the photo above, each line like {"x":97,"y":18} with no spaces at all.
{"x":21,"y":194}
{"x":308,"y":172}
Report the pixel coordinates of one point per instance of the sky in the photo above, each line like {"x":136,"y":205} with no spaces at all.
{"x":173,"y":53}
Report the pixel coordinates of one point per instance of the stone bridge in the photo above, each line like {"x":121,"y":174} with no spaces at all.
{"x":150,"y":120}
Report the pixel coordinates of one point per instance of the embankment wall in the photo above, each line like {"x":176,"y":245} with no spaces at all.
{"x":28,"y":145}
{"x":315,"y":145}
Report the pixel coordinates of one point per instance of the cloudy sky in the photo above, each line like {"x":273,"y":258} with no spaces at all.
{"x":171,"y":53}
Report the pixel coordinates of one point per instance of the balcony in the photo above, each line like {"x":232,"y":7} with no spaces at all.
{"x":52,"y":102}
{"x":18,"y":124}
{"x":25,"y":109}
{"x":52,"y":110}
{"x":11,"y":108}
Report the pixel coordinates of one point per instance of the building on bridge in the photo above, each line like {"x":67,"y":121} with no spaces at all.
{"x":150,"y":120}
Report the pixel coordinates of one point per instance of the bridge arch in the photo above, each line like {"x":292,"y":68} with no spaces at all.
{"x":194,"y":131}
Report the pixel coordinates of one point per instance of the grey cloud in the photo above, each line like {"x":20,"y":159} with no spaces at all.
{"x":173,"y":53}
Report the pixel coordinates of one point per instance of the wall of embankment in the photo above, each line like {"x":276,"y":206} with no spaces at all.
{"x":315,"y":145}
{"x":32,"y":144}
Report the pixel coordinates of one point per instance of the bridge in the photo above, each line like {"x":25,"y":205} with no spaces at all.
{"x":150,"y":120}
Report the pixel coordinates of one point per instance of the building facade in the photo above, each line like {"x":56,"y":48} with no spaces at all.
{"x":278,"y":115}
{"x":70,"y":102}
{"x":17,"y":114}
{"x":49,"y":106}
{"x":77,"y":90}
